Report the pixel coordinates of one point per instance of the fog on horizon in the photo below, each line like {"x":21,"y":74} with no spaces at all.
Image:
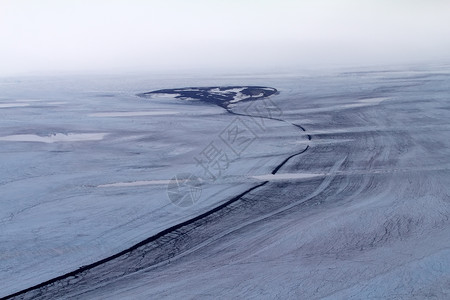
{"x":168,"y":35}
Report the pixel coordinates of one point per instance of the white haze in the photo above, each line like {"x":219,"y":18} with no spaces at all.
{"x":167,"y":35}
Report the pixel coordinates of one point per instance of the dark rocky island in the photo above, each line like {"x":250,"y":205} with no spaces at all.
{"x":222,"y":96}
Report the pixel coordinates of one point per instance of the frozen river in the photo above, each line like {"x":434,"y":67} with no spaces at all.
{"x":336,"y":187}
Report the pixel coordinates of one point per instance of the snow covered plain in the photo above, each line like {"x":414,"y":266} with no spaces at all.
{"x":360,"y":210}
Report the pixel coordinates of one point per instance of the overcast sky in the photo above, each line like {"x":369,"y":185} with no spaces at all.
{"x":158,"y":35}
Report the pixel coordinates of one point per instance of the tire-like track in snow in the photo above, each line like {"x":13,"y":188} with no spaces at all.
{"x":164,"y":245}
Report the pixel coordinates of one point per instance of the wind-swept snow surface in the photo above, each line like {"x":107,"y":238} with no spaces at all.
{"x":343,"y":192}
